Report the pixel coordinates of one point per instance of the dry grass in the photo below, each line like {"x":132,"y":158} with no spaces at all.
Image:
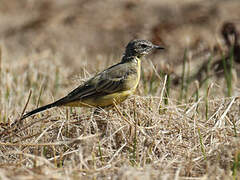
{"x":162,"y":132}
{"x":142,"y":138}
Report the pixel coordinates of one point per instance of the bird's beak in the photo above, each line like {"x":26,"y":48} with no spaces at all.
{"x":158,"y":47}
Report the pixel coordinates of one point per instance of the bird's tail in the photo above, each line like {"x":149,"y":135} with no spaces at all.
{"x":43,"y":108}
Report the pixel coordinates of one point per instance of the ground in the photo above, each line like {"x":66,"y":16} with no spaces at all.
{"x":178,"y":129}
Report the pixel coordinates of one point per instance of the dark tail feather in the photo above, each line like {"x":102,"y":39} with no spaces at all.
{"x":43,"y":108}
{"x":37,"y":110}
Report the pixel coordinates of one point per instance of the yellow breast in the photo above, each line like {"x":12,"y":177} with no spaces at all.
{"x":130,"y":85}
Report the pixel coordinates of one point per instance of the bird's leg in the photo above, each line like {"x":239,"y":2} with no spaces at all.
{"x":97,"y":111}
{"x":101,"y":122}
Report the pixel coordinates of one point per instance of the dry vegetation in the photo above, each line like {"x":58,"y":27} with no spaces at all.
{"x":165,"y":131}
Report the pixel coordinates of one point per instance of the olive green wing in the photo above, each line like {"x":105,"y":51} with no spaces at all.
{"x":109,"y":81}
{"x":112,"y":80}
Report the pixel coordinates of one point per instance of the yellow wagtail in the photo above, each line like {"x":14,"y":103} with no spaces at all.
{"x":112,"y":85}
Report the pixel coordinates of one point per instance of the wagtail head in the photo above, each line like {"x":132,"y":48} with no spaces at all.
{"x":140,"y":48}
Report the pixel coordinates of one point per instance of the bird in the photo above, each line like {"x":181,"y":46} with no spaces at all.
{"x":112,"y":85}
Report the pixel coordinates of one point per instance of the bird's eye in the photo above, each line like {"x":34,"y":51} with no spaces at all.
{"x":143,"y":45}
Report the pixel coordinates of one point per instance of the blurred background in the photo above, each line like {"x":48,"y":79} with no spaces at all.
{"x":78,"y":32}
{"x":180,"y":121}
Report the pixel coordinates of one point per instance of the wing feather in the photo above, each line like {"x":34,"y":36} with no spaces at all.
{"x":110,"y":85}
{"x":107,"y":82}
